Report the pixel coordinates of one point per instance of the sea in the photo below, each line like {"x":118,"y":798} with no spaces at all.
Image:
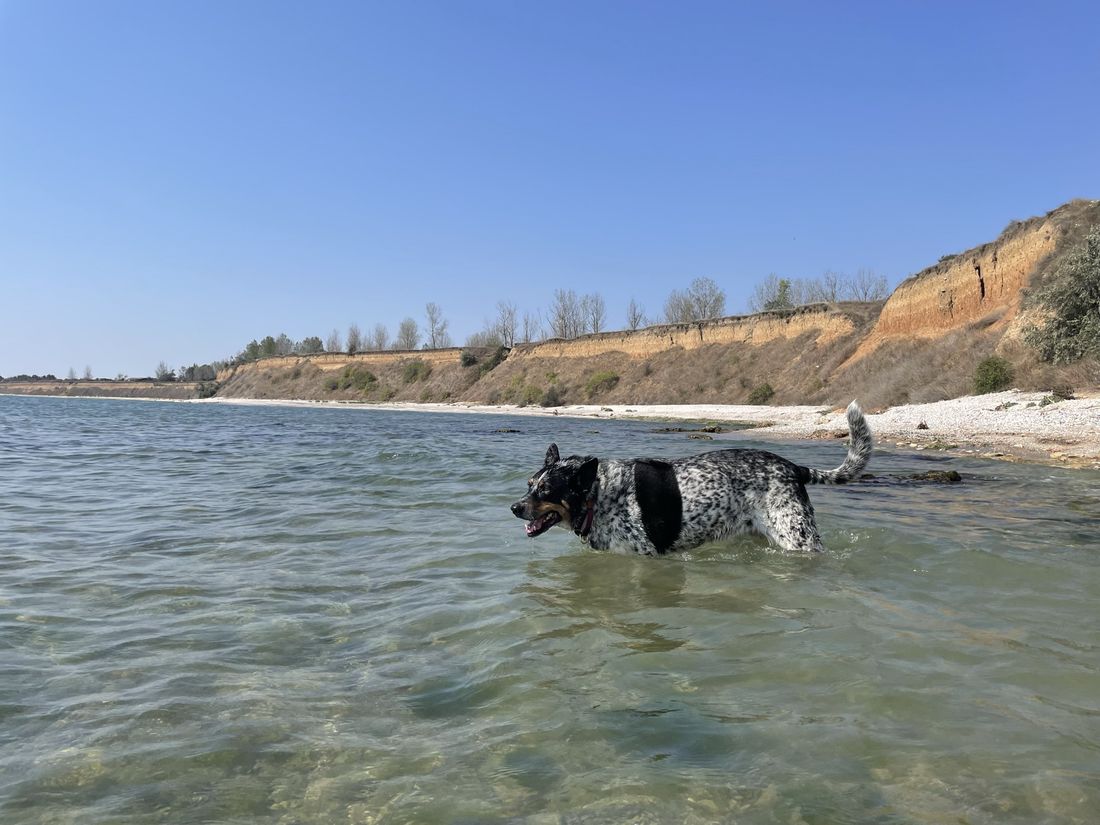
{"x":215,"y":613}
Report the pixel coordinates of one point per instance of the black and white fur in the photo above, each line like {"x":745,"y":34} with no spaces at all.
{"x":653,"y":507}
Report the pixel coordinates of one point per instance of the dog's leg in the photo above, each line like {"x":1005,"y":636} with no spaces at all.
{"x":788,"y":520}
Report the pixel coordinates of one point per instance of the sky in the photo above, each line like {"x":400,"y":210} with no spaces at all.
{"x":180,"y":177}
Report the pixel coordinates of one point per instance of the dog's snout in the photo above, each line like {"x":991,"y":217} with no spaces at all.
{"x":517,"y":509}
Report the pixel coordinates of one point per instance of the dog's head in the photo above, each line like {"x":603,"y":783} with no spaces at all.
{"x":557,"y":493}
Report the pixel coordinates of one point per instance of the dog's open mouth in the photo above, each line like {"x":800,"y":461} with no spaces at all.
{"x":543,"y":523}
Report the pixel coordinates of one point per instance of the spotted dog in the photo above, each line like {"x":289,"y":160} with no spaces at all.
{"x":649,"y":506}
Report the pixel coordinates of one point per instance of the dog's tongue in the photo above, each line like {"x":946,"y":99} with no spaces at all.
{"x":533,"y":527}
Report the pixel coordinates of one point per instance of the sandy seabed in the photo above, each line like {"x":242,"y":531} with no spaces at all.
{"x":1014,"y":425}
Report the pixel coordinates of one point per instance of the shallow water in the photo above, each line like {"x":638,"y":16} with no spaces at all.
{"x":234,"y":614}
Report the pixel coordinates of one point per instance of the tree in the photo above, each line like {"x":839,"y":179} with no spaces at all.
{"x":1071,"y":298}
{"x":332,"y":343}
{"x":283,"y":344}
{"x":267,"y":346}
{"x":531,"y":329}
{"x":88,"y":373}
{"x":771,"y":293}
{"x":71,"y":375}
{"x":310,"y":345}
{"x":354,"y":341}
{"x":408,"y":335}
{"x":486,"y":338}
{"x":593,"y":312}
{"x":867,"y":286}
{"x":505,"y":326}
{"x":164,"y":372}
{"x":437,"y":327}
{"x":702,"y":299}
{"x":380,"y":338}
{"x":635,"y":315}
{"x":565,"y":314}
{"x":706,"y":298}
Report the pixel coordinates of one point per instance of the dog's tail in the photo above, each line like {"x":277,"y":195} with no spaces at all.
{"x":859,"y":453}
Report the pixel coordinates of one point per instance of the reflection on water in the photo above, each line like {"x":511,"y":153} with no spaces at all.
{"x":216,"y":614}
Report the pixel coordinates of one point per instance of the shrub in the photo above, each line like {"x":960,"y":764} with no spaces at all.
{"x":601,"y":382}
{"x":1073,"y":300}
{"x":358,"y":377}
{"x":551,"y":398}
{"x":467,"y":358}
{"x":417,"y":371}
{"x":493,"y":361}
{"x":761,"y":394}
{"x":207,"y":389}
{"x":993,"y":374}
{"x":332,"y":383}
{"x":530,"y":395}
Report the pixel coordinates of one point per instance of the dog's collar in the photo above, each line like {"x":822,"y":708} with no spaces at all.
{"x":589,"y":512}
{"x":586,"y":523}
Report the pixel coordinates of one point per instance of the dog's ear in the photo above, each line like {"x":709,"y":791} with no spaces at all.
{"x":552,"y":455}
{"x":586,"y":475}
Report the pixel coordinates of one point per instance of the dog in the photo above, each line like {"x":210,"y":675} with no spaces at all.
{"x":654,"y":507}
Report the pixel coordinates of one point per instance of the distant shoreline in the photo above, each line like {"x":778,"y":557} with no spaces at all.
{"x":1011,"y":425}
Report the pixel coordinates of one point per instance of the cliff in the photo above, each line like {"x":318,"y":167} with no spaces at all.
{"x":922,"y":344}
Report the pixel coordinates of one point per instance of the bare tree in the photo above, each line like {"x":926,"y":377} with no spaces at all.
{"x":706,"y":298}
{"x":505,"y":324}
{"x":380,"y":338}
{"x":332,"y":343}
{"x":355,"y":339}
{"x":678,"y":308}
{"x":164,"y":372}
{"x":593,"y":312}
{"x":867,"y":286}
{"x":488,"y":337}
{"x":565,"y":314}
{"x":437,"y":327}
{"x":88,"y":373}
{"x":531,"y":329}
{"x":408,"y":335}
{"x":635,"y":315}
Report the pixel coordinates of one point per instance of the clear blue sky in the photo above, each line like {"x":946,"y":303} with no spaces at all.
{"x":177,"y":178}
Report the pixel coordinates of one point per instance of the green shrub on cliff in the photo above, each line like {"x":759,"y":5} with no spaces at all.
{"x":601,"y":382}
{"x":1072,"y":297}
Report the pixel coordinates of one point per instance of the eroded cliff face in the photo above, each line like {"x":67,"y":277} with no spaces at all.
{"x":983,"y":285}
{"x":824,"y":323}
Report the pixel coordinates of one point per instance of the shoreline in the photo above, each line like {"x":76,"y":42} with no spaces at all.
{"x":1010,"y":425}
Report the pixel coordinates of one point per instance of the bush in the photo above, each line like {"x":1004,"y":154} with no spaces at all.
{"x":207,"y":389}
{"x":551,"y":398}
{"x":332,"y":383}
{"x":1073,"y":300}
{"x":417,"y":371}
{"x":601,"y":382}
{"x":761,"y":394}
{"x":467,"y":358}
{"x":530,"y":395}
{"x":992,"y":375}
{"x":493,"y":361}
{"x":358,"y":377}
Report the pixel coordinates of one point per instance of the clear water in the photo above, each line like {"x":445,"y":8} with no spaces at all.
{"x":236,"y":615}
